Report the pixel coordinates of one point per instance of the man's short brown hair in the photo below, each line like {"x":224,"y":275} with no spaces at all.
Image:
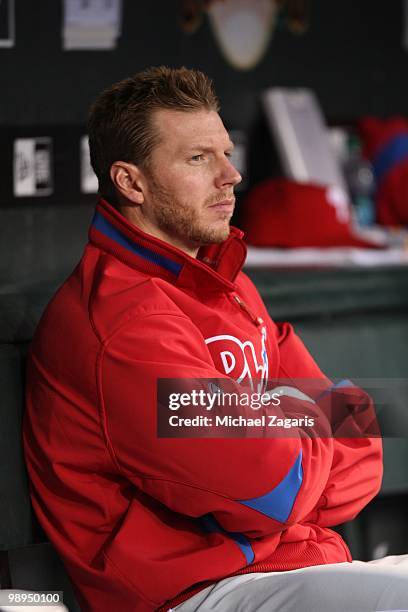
{"x":120,"y":123}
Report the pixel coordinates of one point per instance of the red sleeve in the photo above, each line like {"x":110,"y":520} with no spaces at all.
{"x":252,"y":486}
{"x":355,"y":478}
{"x":356,"y":470}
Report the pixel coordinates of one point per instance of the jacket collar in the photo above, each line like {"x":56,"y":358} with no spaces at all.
{"x":214,"y":269}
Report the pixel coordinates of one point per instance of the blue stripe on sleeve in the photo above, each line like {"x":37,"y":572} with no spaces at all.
{"x":211,"y":525}
{"x":343,"y":383}
{"x":278,"y":503}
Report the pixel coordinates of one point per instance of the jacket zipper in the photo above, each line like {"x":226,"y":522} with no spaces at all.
{"x":257,"y":320}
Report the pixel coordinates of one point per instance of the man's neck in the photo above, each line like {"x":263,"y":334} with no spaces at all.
{"x":134,"y":215}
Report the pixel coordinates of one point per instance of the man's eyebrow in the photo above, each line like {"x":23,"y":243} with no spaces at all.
{"x":206,"y":149}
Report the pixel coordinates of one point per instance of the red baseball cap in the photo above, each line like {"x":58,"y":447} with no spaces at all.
{"x":284,"y":213}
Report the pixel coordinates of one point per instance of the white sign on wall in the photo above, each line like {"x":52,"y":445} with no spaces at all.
{"x":32,"y":167}
{"x":89,"y":180}
{"x":91,"y":24}
{"x":7,"y":25}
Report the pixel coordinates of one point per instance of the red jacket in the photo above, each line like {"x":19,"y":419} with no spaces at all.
{"x":138,"y":519}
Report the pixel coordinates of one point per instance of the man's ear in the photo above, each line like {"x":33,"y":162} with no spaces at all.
{"x":127,"y":179}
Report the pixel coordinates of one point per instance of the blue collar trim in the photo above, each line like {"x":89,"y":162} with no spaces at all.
{"x":102,"y":225}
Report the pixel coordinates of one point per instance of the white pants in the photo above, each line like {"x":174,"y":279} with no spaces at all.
{"x":373,"y":586}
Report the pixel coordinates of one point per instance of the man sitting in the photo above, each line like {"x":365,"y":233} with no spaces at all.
{"x":145,"y":522}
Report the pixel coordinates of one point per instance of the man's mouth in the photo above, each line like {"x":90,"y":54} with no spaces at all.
{"x":226,"y":205}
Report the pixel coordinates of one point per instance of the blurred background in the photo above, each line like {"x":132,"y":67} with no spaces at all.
{"x":315,"y":95}
{"x":349,"y":55}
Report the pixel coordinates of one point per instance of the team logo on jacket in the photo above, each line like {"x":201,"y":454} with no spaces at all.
{"x":241,"y":360}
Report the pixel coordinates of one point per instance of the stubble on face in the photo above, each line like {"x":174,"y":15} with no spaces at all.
{"x":182,"y":221}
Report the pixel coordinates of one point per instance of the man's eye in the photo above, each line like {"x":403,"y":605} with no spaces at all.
{"x":199,"y":157}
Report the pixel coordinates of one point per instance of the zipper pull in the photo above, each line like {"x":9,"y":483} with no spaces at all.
{"x":257,"y":320}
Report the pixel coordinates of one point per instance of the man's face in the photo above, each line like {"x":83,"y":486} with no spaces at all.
{"x":190,"y":180}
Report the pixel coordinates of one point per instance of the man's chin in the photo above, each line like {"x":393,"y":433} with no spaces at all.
{"x":215,"y":236}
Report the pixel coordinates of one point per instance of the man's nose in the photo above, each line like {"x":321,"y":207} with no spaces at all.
{"x":227,"y":174}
